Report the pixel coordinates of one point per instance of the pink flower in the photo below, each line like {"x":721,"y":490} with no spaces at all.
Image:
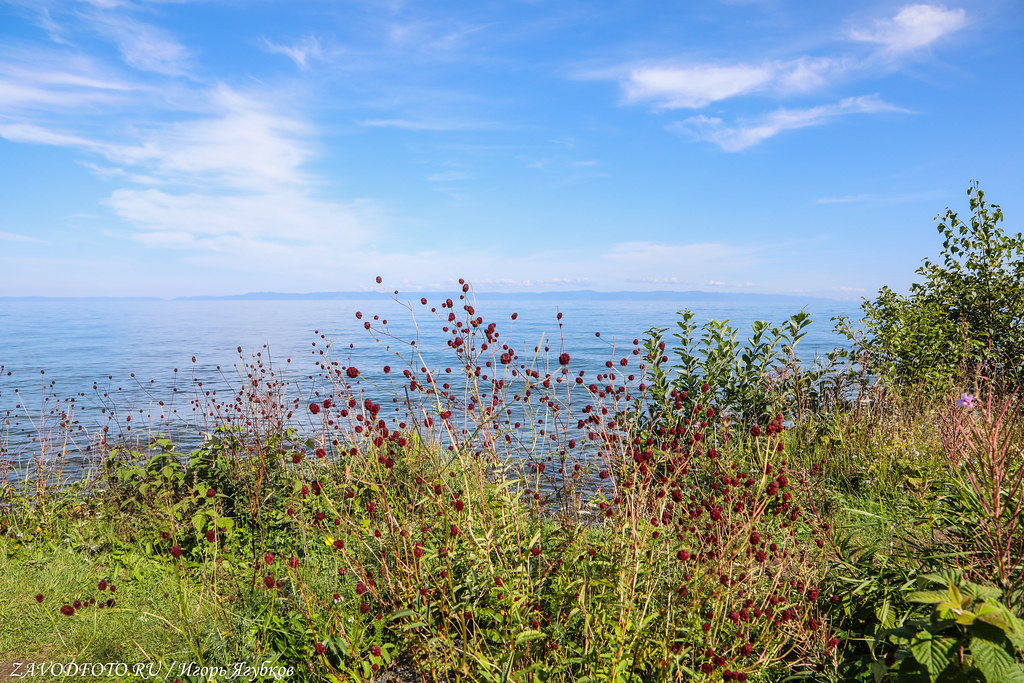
{"x":966,"y":401}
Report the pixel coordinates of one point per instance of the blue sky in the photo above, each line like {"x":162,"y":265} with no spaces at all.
{"x":221,"y":147}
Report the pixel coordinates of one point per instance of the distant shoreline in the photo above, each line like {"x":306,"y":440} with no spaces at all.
{"x":568,"y":295}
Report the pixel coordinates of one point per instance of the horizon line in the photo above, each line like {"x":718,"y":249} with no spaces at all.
{"x":339,"y":294}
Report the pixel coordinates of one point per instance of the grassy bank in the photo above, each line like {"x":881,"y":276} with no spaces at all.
{"x":667,"y":519}
{"x":695,"y":510}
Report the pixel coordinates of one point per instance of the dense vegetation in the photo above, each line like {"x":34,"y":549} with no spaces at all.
{"x":699,"y":509}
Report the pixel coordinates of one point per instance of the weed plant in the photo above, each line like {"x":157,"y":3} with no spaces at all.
{"x":696,"y":509}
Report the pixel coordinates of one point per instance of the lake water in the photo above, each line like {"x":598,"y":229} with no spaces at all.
{"x":54,"y":350}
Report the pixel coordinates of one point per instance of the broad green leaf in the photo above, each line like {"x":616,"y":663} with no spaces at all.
{"x":928,"y":597}
{"x":992,"y":658}
{"x":934,"y":653}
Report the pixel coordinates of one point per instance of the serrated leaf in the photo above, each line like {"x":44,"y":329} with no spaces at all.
{"x":935,"y":654}
{"x":966,"y":618}
{"x":996,"y":615}
{"x":1016,"y":633}
{"x":992,"y":658}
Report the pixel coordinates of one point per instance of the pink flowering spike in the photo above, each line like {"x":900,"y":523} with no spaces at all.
{"x":966,"y":401}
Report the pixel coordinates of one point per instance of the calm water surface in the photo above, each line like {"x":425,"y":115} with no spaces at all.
{"x":56,"y":349}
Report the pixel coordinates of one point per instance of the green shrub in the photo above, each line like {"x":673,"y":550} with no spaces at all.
{"x":965,"y":318}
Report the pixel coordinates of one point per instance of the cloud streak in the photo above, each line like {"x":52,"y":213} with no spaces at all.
{"x":300,"y":53}
{"x":913,"y":28}
{"x":748,"y":133}
{"x":440,"y":125}
{"x":698,"y":85}
{"x":15,"y":237}
{"x":143,"y":46}
{"x":695,"y":85}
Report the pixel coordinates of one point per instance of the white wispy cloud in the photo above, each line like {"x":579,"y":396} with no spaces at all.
{"x":436,"y":37}
{"x":672,"y":280}
{"x":144,"y":46}
{"x":428,"y":124}
{"x":747,"y":133}
{"x":26,"y":132}
{"x":41,"y":81}
{"x":300,"y":52}
{"x":15,"y":237}
{"x":913,"y":27}
{"x":695,"y":84}
{"x":673,"y":85}
{"x":229,"y":182}
{"x":692,"y":86}
{"x":235,"y":182}
{"x":266,"y":222}
{"x":245,"y":143}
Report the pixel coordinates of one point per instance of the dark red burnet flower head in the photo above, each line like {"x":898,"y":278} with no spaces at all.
{"x":39,"y":597}
{"x":564,"y":358}
{"x":67,"y":610}
{"x":314,"y":408}
{"x":352,"y":372}
{"x":175,"y":551}
{"x":268,"y":581}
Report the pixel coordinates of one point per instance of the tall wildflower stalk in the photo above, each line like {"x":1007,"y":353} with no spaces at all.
{"x":981,"y":440}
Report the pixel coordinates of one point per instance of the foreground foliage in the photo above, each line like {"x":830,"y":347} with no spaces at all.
{"x":697,"y":509}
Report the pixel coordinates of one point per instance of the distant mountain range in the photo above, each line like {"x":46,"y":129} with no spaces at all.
{"x":569,"y":295}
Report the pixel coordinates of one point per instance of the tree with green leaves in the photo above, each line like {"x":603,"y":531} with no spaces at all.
{"x":966,"y":319}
